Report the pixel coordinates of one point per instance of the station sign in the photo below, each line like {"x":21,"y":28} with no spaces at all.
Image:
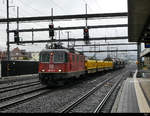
{"x":147,"y":44}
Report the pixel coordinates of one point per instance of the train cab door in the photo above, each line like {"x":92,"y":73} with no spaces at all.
{"x":72,"y":63}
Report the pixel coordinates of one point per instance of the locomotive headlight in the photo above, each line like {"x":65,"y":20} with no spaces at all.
{"x":43,"y":70}
{"x":60,"y":70}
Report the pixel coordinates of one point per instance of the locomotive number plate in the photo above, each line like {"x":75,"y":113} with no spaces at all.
{"x":51,"y":66}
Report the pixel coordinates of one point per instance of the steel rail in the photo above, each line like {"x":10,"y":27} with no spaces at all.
{"x":8,"y":104}
{"x":21,"y":94}
{"x":19,"y":87}
{"x":82,"y":98}
{"x":102,"y":103}
{"x":2,"y":88}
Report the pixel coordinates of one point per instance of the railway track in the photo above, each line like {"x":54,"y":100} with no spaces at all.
{"x":19,"y":86}
{"x":77,"y":102}
{"x":12,"y":101}
{"x":106,"y":98}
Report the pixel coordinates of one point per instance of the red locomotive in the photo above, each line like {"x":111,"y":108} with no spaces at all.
{"x":56,"y":65}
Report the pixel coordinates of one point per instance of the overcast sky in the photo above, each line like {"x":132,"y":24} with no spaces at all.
{"x":65,"y":7}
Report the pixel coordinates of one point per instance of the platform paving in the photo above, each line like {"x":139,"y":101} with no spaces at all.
{"x":145,"y":86}
{"x":128,"y":101}
{"x":134,"y":96}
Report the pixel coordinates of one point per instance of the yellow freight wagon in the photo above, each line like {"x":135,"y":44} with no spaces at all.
{"x":108,"y":65}
{"x":100,"y":65}
{"x":91,"y":66}
{"x":105,"y":65}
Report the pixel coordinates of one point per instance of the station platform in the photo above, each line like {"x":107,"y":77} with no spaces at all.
{"x":134,"y":96}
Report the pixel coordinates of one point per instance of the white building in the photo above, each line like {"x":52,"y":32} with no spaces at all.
{"x":34,"y":56}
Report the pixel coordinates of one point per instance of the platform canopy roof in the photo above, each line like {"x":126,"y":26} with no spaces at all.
{"x":145,"y":52}
{"x":138,"y":20}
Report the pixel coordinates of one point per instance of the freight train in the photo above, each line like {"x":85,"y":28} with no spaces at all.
{"x":58,"y":65}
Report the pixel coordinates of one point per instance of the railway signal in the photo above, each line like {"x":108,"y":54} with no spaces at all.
{"x":86,"y":34}
{"x":16,"y":37}
{"x":51,"y":30}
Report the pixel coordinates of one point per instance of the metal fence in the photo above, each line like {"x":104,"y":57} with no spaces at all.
{"x":13,"y":68}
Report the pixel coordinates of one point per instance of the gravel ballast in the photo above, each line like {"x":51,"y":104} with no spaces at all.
{"x":62,"y":97}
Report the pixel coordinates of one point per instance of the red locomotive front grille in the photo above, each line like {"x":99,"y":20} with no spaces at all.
{"x":43,"y":67}
{"x":57,"y":67}
{"x":46,"y":67}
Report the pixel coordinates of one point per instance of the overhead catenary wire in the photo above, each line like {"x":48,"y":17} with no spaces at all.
{"x":57,"y":6}
{"x":40,"y":11}
{"x":88,"y":5}
{"x":97,"y":3}
{"x":35,"y":9}
{"x":27,"y":12}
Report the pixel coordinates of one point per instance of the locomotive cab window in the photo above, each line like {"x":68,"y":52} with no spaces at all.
{"x":60,"y":57}
{"x":73,"y":58}
{"x":44,"y":57}
{"x":77,"y":59}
